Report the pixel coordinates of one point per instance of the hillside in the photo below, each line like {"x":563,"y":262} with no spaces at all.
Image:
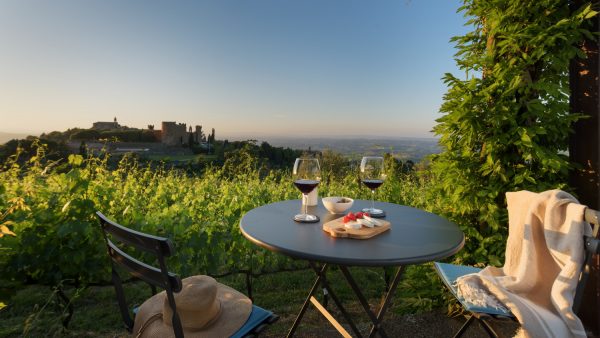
{"x":5,"y":137}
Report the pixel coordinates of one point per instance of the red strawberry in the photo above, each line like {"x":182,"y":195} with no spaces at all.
{"x":346,"y":219}
{"x":367,"y":214}
{"x":359,"y":214}
{"x":351,"y":216}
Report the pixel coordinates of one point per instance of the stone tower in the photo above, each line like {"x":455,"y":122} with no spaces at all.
{"x":173,"y":133}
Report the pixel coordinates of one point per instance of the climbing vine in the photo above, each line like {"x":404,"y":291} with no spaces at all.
{"x":506,"y":121}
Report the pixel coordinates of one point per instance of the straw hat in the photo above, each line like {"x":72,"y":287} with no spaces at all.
{"x":206,"y":309}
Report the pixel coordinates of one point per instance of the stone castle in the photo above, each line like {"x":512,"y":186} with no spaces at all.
{"x":106,"y":125}
{"x":171,"y":133}
{"x":174,"y":134}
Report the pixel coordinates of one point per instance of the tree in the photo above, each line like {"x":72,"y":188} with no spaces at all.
{"x":83,"y":149}
{"x":334,"y":166}
{"x":506,"y":123}
{"x":199,"y":134}
{"x":393,"y":166}
{"x":85,"y":134}
{"x":190,"y":141}
{"x":55,"y":136}
{"x":408,"y":166}
{"x":26,"y":149}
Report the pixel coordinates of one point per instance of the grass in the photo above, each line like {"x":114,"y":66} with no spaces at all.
{"x":33,"y":311}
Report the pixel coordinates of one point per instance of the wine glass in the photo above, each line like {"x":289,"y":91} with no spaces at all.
{"x":372,"y":174}
{"x":306,"y":175}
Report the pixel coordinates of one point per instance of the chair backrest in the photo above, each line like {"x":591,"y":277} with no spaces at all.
{"x":155,"y":276}
{"x":592,"y":247}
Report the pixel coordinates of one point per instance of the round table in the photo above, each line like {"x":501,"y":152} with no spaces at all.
{"x":415,"y":236}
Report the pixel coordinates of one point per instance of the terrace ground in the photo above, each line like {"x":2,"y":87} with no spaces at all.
{"x":33,"y":311}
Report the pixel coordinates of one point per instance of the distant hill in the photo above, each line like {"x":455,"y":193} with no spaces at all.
{"x":5,"y":137}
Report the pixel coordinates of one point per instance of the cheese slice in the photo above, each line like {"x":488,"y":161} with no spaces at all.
{"x":352,"y":225}
{"x":372,"y":220}
{"x":365,"y":222}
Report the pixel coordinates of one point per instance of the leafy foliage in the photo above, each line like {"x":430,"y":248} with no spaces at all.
{"x":23,"y":150}
{"x":124,"y":135}
{"x":51,"y":210}
{"x":506,"y":124}
{"x":269,"y":156}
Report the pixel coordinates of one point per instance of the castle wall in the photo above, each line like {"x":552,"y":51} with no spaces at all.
{"x":173,"y":133}
{"x":197,"y":134}
{"x":157,"y":135}
{"x":105,"y":125}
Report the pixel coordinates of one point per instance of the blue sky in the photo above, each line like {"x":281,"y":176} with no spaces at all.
{"x":248,"y":68}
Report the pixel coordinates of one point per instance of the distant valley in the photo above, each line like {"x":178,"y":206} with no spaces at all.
{"x":406,"y":148}
{"x":413,"y":149}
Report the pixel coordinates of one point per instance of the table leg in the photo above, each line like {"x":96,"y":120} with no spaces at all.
{"x":337,"y":301}
{"x":325,"y":297}
{"x":320,"y":274}
{"x":375,"y":319}
{"x":385,"y":302}
{"x":321,"y":279}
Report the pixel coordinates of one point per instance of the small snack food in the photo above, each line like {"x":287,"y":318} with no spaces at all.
{"x":359,"y":219}
{"x":337,"y":205}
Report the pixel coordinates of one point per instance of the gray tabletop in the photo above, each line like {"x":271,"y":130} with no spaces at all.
{"x":416,"y":236}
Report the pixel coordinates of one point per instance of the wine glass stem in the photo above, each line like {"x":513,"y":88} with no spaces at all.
{"x":304,"y":203}
{"x":372,"y":199}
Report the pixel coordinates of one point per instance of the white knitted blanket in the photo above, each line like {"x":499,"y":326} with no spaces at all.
{"x":544,"y":254}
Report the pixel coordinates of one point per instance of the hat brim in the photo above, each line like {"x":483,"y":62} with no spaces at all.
{"x":235,"y":310}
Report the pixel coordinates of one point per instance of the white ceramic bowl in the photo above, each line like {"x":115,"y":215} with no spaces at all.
{"x":337,"y":205}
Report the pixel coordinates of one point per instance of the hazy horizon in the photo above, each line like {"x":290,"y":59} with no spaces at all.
{"x":244,"y":137}
{"x":404,"y":148}
{"x":235,"y":135}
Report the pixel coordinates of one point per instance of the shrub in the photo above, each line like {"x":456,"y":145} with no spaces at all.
{"x":506,"y":124}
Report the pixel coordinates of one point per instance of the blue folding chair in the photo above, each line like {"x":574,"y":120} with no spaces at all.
{"x":160,"y":277}
{"x":450,"y":272}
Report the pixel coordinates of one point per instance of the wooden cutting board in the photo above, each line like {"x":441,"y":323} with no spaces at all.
{"x":336,"y":228}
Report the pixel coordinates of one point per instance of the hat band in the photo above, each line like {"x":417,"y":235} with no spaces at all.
{"x":147,"y":323}
{"x":159,"y":315}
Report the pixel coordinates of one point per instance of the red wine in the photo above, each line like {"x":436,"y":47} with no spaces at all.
{"x":372,"y":184}
{"x":306,"y":186}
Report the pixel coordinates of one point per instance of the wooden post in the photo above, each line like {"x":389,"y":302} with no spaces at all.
{"x":584,"y":149}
